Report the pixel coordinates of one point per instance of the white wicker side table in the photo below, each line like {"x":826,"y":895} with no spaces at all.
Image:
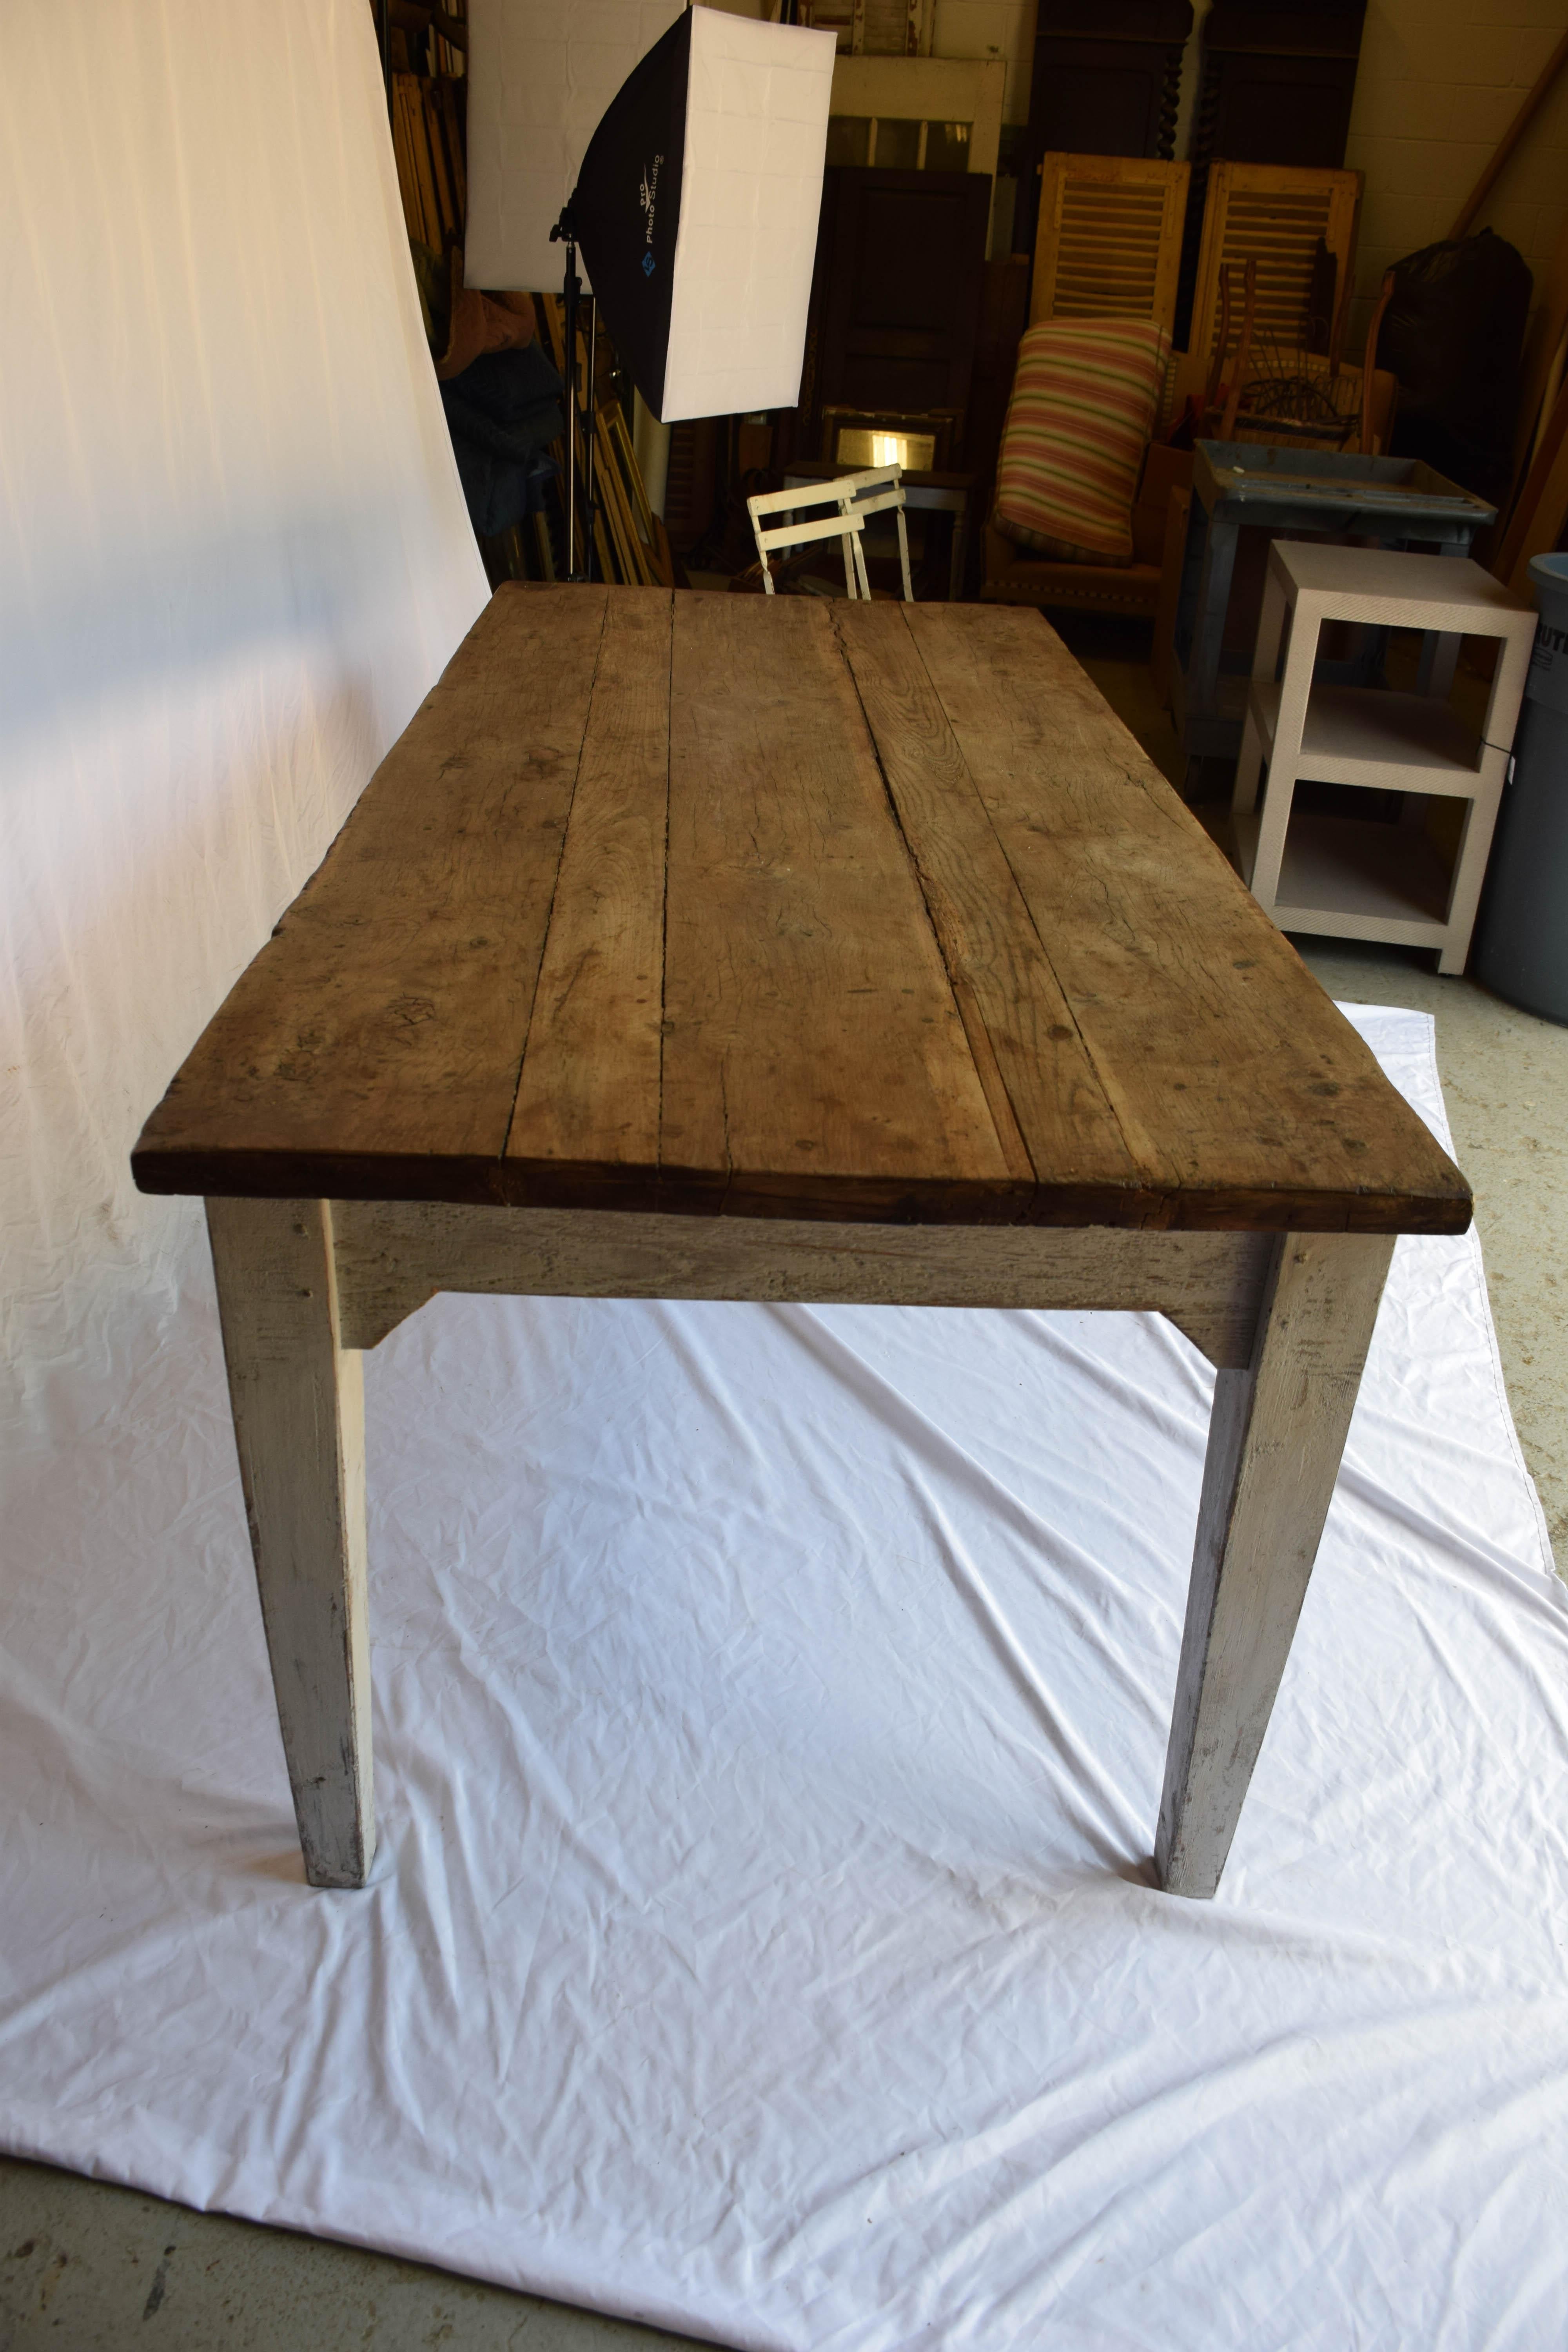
{"x":1352,"y":877}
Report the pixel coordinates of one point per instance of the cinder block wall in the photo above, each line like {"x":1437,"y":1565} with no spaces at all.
{"x":1440,"y":81}
{"x":991,"y":28}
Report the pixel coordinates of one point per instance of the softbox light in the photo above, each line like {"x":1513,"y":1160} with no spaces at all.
{"x":696,"y":210}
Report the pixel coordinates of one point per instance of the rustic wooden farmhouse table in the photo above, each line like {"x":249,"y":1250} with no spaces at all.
{"x":702,"y":946}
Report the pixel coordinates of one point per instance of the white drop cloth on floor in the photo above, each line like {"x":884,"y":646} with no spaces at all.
{"x":769,"y":1708}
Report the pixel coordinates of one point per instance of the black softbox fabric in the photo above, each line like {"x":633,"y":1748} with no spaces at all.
{"x":627,"y":206}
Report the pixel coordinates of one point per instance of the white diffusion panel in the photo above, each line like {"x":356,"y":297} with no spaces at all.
{"x":756,"y":134}
{"x":540,"y":73}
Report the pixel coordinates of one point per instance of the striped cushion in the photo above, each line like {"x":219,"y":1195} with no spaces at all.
{"x":1082,"y":414}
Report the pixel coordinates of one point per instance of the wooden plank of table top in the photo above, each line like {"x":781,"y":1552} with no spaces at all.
{"x":587,"y":1114}
{"x":373,"y":1047}
{"x":1019,"y":1024}
{"x":814,"y":1055}
{"x":1242,"y":1093}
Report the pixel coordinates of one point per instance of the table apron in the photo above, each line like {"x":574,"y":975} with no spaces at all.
{"x":393,"y":1255}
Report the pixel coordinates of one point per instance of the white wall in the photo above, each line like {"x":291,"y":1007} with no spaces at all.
{"x":1438,"y":82}
{"x":991,"y":28}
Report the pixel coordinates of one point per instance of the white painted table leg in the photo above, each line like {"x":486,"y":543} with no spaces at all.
{"x":299,"y":1424}
{"x":1275,"y":1443}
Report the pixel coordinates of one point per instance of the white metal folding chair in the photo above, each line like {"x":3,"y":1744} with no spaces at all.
{"x":877,"y":489}
{"x":797,"y":531}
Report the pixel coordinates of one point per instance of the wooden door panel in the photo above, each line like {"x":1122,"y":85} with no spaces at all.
{"x":901,"y":260}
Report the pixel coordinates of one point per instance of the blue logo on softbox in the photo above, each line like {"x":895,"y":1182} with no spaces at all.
{"x":647,"y":264}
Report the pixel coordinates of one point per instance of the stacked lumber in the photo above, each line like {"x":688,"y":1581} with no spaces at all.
{"x":427,"y":141}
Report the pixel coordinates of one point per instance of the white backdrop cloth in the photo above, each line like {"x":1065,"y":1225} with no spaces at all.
{"x":769,"y":1709}
{"x":770,"y":1704}
{"x":234,"y":555}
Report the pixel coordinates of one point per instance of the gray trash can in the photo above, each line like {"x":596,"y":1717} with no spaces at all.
{"x":1521,"y":938}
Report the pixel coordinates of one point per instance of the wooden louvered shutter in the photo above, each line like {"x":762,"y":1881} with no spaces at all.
{"x":1110,"y":244}
{"x":1277,"y":215}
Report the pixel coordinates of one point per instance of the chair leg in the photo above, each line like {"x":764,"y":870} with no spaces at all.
{"x":763,"y":555}
{"x":904,"y":557}
{"x":860,"y":568}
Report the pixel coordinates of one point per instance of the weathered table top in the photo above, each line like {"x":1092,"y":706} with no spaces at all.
{"x":766,"y":905}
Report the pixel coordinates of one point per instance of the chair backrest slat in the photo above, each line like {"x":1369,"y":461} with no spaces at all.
{"x":796,"y":534}
{"x":806,"y":494}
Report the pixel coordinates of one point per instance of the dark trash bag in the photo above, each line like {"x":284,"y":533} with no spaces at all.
{"x":504,"y":411}
{"x":1453,"y":335}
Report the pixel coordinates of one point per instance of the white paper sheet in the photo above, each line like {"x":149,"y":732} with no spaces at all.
{"x":770,"y":1704}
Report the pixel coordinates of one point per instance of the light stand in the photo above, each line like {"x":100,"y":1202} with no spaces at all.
{"x":565,"y":233}
{"x":590,"y":434}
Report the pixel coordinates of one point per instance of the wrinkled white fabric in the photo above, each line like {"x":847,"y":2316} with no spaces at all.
{"x":769,"y":1709}
{"x":770,"y":1704}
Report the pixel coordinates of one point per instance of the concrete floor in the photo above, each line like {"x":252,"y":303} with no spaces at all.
{"x":87,"y":2268}
{"x":91,"y":2268}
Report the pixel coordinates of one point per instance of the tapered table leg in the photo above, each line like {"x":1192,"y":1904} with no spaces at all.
{"x":1275,"y":1442}
{"x":299,"y":1420}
